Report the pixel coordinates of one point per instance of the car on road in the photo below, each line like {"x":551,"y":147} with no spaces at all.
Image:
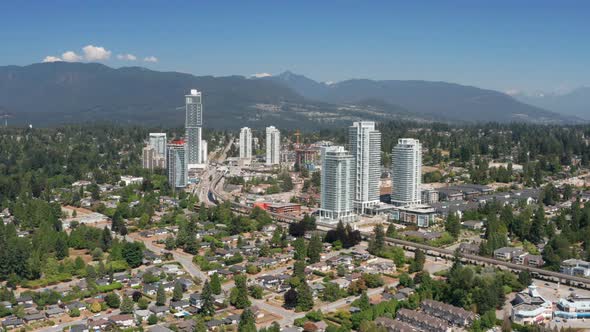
{"x":571,"y":289}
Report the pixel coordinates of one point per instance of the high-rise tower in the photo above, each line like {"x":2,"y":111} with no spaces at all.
{"x":246,"y":143}
{"x":406,"y":172}
{"x":193,"y":127}
{"x":364,"y":144}
{"x":177,"y":167}
{"x":336,"y":185}
{"x":273,"y":146}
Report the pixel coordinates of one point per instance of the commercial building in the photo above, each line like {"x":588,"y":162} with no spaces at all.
{"x":573,"y":307}
{"x":177,"y":167}
{"x":337,"y":185}
{"x":420,"y":215}
{"x":158,"y":142}
{"x":246,"y":143}
{"x":529,"y":307}
{"x":273,"y":146}
{"x":193,"y":127}
{"x":406,"y":172}
{"x":364,"y":144}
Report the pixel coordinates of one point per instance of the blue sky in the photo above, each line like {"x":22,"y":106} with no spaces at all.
{"x":503,"y":45}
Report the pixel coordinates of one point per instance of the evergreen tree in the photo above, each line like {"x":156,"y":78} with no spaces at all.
{"x":247,"y":321}
{"x":241,"y":301}
{"x":304,"y":297}
{"x":538,"y":227}
{"x":207,"y":307}
{"x":453,"y":225}
{"x":363,"y":301}
{"x":161,"y":296}
{"x":215,"y":284}
{"x":127,"y":305}
{"x":106,"y":239}
{"x":178,"y":291}
{"x":377,"y":243}
{"x":314,"y":250}
{"x":417,"y":264}
{"x":300,"y":249}
{"x":391,"y":230}
{"x":61,"y":246}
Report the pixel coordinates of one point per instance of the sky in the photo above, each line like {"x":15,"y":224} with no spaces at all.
{"x":504,"y":45}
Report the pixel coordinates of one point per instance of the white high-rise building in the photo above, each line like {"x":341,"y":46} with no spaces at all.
{"x":246,"y":143}
{"x":177,"y":166}
{"x":193,"y":127}
{"x":406,"y":172}
{"x":336,"y":185}
{"x":364,"y":144}
{"x":273,"y":146}
{"x":148,"y":156}
{"x":158,"y":142}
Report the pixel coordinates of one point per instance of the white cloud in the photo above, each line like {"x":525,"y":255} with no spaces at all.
{"x":71,"y":56}
{"x":150,"y":59}
{"x":127,"y":57}
{"x":261,"y":75}
{"x":96,"y":53}
{"x":513,"y":92}
{"x":51,"y":58}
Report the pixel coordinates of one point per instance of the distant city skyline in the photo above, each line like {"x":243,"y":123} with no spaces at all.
{"x":503,"y":45}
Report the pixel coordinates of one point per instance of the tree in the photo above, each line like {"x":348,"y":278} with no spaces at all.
{"x":112,"y":300}
{"x":143,"y":303}
{"x":106,"y":239}
{"x":314,"y":249}
{"x":178,"y":291}
{"x":417,"y":264}
{"x":538,"y":227}
{"x":61,"y":246}
{"x":304,"y":297}
{"x":241,"y":300}
{"x":363,"y":301}
{"x":247,"y":321}
{"x":391,"y":230}
{"x":127,"y":305}
{"x":256,"y":291}
{"x":290,"y":298}
{"x":452,"y":225}
{"x":95,"y":307}
{"x":161,"y":296}
{"x":377,"y":243}
{"x":75,"y":312}
{"x":152,"y":319}
{"x":207,"y":307}
{"x":300,"y":249}
{"x":524,"y":278}
{"x":215,"y":284}
{"x":133,"y":254}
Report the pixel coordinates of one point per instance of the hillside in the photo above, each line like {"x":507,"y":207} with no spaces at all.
{"x":574,"y":103}
{"x":441,"y":100}
{"x":55,"y":93}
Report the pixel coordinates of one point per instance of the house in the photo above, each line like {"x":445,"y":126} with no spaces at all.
{"x":342,"y":283}
{"x":54,"y":311}
{"x":150,"y":289}
{"x":179,"y":305}
{"x":79,"y":328}
{"x":143,"y":315}
{"x":122,"y":320}
{"x":195,"y":300}
{"x":473,"y":224}
{"x":24,"y":299}
{"x":12,"y":322}
{"x":6,"y":305}
{"x":159,"y":328}
{"x":232,"y":319}
{"x":453,"y":315}
{"x":75,"y":305}
{"x":98,"y":324}
{"x":187,"y":325}
{"x":158,"y":310}
{"x":185,"y":283}
{"x":34,"y":317}
{"x":469,"y":248}
{"x":214,"y":324}
{"x":258,"y":314}
{"x":172,"y":269}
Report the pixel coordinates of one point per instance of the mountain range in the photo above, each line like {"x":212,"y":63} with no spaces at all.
{"x":575,"y":102}
{"x":55,"y":93}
